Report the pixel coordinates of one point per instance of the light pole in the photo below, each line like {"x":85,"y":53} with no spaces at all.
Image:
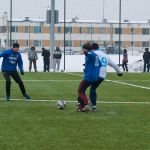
{"x":64,"y":31}
{"x":10,"y":25}
{"x":119,"y":29}
{"x":132,"y":43}
{"x":29,"y":34}
{"x":103,"y":9}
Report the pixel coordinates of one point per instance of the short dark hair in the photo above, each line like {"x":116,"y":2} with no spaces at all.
{"x":125,"y":50}
{"x":87,"y":46}
{"x":146,"y":48}
{"x":95,"y":46}
{"x":33,"y":47}
{"x":15,"y":45}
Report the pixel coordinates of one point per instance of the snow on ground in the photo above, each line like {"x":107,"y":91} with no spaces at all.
{"x":74,"y":63}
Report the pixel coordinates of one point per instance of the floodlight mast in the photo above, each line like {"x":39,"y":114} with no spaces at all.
{"x":119,"y":30}
{"x":52,"y":36}
{"x":10,"y":25}
{"x":64,"y":32}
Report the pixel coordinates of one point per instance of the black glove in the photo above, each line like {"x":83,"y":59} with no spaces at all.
{"x":22,"y":73}
{"x":120,"y":74}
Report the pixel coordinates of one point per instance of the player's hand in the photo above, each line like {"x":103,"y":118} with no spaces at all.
{"x":120,"y":74}
{"x":22,"y":73}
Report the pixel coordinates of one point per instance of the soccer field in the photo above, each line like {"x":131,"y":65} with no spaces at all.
{"x":122,"y":122}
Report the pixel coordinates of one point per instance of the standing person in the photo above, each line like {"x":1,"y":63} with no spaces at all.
{"x":46,"y":59}
{"x":57,"y":58}
{"x":11,"y":59}
{"x":91,"y":77}
{"x":105,"y":61}
{"x":125,"y":60}
{"x":146,"y":58}
{"x":32,"y":56}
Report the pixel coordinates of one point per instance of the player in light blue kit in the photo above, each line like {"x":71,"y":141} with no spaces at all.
{"x":105,"y":61}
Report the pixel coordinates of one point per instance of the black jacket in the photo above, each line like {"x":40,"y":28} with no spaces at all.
{"x":46,"y":54}
{"x":146,"y":56}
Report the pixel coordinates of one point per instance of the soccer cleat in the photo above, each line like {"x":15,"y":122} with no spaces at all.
{"x":7,"y":98}
{"x":26,"y":96}
{"x":94,"y":108}
{"x":83,"y":108}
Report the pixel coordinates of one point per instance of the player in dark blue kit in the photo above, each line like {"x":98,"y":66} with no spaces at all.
{"x":12,"y":58}
{"x":91,"y":78}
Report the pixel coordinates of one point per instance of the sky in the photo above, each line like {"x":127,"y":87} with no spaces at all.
{"x":135,"y":10}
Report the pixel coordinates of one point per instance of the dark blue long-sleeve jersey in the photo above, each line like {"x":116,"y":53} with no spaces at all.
{"x":92,"y":66}
{"x":10,"y":60}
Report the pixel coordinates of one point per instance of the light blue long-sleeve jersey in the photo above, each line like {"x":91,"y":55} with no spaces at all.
{"x":92,"y":66}
{"x":10,"y":60}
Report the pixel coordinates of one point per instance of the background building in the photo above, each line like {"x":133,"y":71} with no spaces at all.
{"x":28,"y":32}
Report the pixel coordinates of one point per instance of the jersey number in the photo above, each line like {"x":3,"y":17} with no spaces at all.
{"x":104,"y":61}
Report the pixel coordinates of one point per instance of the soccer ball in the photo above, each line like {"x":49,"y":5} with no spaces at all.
{"x":61,"y":104}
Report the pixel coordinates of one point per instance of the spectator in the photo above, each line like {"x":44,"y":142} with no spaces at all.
{"x":125,"y":60}
{"x":46,"y":59}
{"x":32,"y":56}
{"x":57,"y":58}
{"x":146,"y":58}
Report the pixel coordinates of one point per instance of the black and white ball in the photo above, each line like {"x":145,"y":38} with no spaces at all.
{"x":61,"y":104}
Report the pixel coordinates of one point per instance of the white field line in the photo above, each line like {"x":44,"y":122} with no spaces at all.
{"x":137,"y":86}
{"x":69,"y":101}
{"x":47,"y":80}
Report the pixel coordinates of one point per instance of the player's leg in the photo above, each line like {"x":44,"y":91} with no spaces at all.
{"x":147,"y":67}
{"x":44,"y":65}
{"x":82,"y":98}
{"x":144,"y":67}
{"x":123,"y":66}
{"x":93,"y":95}
{"x":47,"y":62}
{"x":126,"y":67}
{"x":30,"y":65}
{"x":18,"y":80}
{"x":34,"y":64}
{"x":6,"y":75}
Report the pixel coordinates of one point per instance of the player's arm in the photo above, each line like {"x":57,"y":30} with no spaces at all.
{"x":115,"y":66}
{"x":2,"y":54}
{"x":20,"y":64}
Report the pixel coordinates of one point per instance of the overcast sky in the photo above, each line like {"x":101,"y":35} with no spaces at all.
{"x":84,"y":9}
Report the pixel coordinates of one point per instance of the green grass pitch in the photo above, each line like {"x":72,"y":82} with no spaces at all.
{"x":39,"y":125}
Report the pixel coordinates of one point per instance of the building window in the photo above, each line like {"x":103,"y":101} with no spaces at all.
{"x":81,"y":43}
{"x":26,"y":29}
{"x":14,"y":41}
{"x":37,"y":29}
{"x":14,"y":28}
{"x":145,"y":31}
{"x":26,"y":43}
{"x":37,"y":43}
{"x":132,"y":43}
{"x":102,"y":30}
{"x":132,"y":30}
{"x":117,"y":43}
{"x":68,"y":30}
{"x":59,"y":30}
{"x":117,"y":31}
{"x":80,"y":30}
{"x":90,"y":30}
{"x":145,"y":43}
{"x":68,"y":43}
